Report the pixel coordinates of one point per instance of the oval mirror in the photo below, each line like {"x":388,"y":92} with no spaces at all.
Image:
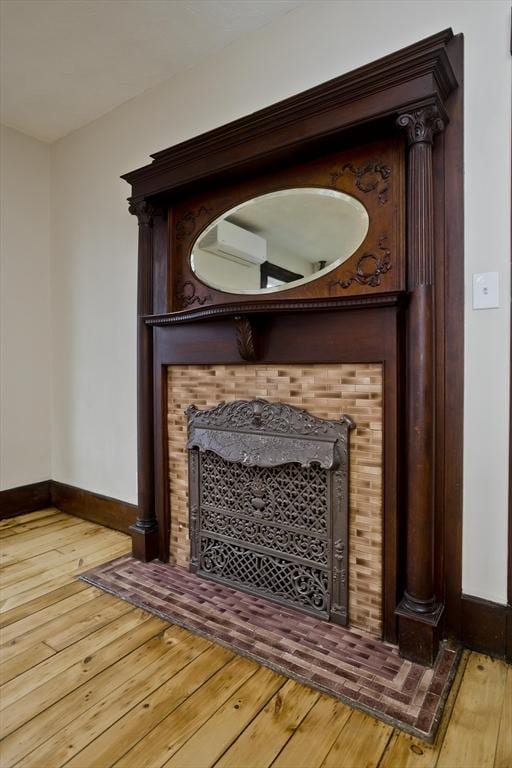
{"x":279,"y":240}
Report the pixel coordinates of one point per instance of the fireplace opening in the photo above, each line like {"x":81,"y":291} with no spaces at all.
{"x":268,"y":503}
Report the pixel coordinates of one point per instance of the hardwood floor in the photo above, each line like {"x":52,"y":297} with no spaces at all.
{"x":88,"y":680}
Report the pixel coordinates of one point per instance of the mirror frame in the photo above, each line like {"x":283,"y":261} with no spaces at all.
{"x":373,"y":174}
{"x":294,"y":278}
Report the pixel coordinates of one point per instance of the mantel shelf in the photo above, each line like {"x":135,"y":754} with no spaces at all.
{"x":266,"y":307}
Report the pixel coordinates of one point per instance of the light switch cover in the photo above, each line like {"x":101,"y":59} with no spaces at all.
{"x":485,"y":290}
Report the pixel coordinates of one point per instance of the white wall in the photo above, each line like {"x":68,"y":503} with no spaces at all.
{"x":94,"y":246}
{"x":25,"y":402}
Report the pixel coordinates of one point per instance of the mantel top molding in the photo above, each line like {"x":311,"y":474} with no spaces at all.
{"x":418,"y":73}
{"x":246,"y":308}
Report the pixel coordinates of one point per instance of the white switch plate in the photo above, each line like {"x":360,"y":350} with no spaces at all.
{"x":485,"y":290}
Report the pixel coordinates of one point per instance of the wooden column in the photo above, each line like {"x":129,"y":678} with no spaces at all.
{"x":145,"y":529}
{"x":419,"y":613}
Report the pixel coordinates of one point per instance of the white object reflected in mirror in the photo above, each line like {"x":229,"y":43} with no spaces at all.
{"x":280,"y":240}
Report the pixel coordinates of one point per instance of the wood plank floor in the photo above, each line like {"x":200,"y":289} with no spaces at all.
{"x":87,"y":680}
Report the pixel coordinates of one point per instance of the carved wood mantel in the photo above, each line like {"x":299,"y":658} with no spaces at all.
{"x":389,"y":128}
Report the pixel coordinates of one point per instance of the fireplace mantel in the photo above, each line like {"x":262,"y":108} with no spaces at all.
{"x":408,"y":316}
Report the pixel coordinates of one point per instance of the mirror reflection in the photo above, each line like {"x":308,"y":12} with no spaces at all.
{"x":279,"y":240}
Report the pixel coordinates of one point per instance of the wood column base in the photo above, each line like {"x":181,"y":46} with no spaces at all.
{"x":419,"y":633}
{"x":144,"y":542}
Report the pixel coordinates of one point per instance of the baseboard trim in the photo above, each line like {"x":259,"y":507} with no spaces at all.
{"x":487,"y":626}
{"x":95,"y":507}
{"x":24,"y":499}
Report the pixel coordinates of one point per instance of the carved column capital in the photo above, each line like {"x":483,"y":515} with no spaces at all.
{"x":144,"y":211}
{"x":421,"y":124}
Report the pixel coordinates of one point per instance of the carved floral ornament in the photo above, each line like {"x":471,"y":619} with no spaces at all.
{"x":187,"y":225}
{"x":370,"y":176}
{"x":187,"y":295}
{"x":369,"y":269}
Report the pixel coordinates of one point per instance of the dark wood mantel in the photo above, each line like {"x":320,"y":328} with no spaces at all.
{"x":407,"y":108}
{"x":375,"y":91}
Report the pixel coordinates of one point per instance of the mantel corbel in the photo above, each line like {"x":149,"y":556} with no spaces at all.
{"x":245,"y":338}
{"x":419,"y":612}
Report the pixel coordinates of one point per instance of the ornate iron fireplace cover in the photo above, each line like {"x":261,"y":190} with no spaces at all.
{"x":268,"y":499}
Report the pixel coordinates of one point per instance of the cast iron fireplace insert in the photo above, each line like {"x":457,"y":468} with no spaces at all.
{"x":268,"y":503}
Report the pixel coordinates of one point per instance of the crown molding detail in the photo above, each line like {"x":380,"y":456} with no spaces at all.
{"x":341,"y":103}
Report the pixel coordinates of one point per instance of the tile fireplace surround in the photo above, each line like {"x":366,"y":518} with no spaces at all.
{"x":323,"y":390}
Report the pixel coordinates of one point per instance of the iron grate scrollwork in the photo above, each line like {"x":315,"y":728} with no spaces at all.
{"x":268,"y":496}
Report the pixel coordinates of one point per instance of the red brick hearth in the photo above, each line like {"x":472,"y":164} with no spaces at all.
{"x":346,"y":663}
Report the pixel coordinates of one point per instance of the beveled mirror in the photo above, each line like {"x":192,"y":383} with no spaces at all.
{"x":279,"y":240}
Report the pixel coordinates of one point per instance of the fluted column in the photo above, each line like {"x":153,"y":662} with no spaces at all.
{"x":418,"y":612}
{"x":145,"y":530}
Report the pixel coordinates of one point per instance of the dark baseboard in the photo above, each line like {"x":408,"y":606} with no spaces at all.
{"x":487,"y":626}
{"x":508,"y":651}
{"x":25,"y":498}
{"x":103,"y":510}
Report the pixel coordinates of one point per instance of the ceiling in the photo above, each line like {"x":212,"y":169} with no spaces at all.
{"x":65,"y":63}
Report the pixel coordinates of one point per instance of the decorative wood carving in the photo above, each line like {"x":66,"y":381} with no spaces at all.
{"x":189,"y":223}
{"x":245,"y":338}
{"x":369,"y":177}
{"x":420,"y":125}
{"x":145,"y":213}
{"x":372,"y":173}
{"x":370,"y":268}
{"x":266,"y":307}
{"x":188,"y":295}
